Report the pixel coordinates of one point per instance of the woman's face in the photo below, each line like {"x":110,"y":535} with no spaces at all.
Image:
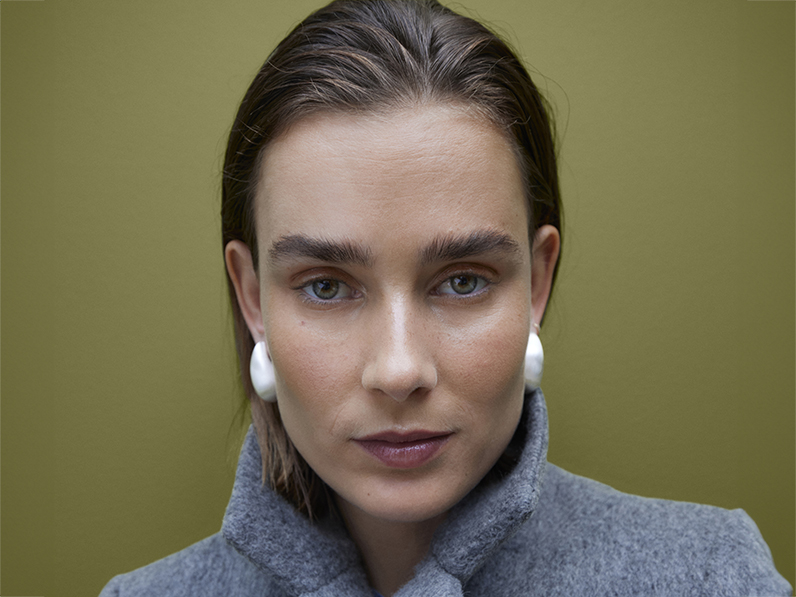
{"x":395,"y":295}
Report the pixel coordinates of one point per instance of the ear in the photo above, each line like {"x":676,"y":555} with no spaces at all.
{"x":546,"y":244}
{"x":240,"y":267}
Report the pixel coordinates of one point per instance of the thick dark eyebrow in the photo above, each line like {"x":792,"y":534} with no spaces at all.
{"x":330,"y":251}
{"x":452,"y":247}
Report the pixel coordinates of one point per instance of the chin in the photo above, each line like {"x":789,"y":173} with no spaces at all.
{"x":405,"y":502}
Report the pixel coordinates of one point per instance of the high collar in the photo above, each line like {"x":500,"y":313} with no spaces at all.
{"x":320,"y":559}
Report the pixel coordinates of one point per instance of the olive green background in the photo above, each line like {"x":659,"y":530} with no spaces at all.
{"x":670,"y":341}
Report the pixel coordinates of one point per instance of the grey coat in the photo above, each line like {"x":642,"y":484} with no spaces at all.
{"x":539,"y":531}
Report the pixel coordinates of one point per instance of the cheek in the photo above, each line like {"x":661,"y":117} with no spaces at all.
{"x":485,"y":377}
{"x":488,"y":357}
{"x":313,"y":377}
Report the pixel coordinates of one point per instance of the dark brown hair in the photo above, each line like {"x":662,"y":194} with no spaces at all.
{"x":365,"y":56}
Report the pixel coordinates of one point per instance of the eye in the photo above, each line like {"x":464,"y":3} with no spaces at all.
{"x":327,"y":289}
{"x":462,"y":284}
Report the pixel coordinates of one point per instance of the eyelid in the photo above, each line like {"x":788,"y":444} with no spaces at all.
{"x":308,"y":280}
{"x":445,"y":277}
{"x":341,"y":286}
{"x":307,"y":276}
{"x":481,"y":284}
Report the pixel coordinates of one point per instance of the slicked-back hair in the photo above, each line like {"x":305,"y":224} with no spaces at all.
{"x":374,"y":56}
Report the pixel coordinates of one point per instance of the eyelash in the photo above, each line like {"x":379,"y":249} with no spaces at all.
{"x":316,"y":300}
{"x":483,"y":285}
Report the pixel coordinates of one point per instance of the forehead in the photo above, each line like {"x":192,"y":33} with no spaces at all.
{"x":432,"y":170}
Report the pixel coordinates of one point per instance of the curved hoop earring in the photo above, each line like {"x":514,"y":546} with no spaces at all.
{"x":534,"y":361}
{"x":261,"y":371}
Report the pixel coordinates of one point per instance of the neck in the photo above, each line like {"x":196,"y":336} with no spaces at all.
{"x":390,"y":549}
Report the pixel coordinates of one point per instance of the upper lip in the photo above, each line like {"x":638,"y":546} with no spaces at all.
{"x":402,"y":437}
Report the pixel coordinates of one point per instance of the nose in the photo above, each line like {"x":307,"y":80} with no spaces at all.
{"x":399,"y":362}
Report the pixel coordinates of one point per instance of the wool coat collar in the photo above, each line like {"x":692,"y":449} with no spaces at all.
{"x":320,"y":559}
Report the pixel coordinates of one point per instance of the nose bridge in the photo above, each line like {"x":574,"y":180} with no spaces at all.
{"x":398,"y":323}
{"x":399,"y":361}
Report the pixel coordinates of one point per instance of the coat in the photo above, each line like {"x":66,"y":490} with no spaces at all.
{"x":538,"y":531}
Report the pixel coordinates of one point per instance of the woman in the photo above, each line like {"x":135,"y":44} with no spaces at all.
{"x":392,"y":225}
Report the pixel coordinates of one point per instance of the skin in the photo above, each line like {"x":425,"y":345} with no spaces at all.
{"x":388,"y":334}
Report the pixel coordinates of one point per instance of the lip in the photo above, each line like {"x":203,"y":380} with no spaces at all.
{"x":404,"y":450}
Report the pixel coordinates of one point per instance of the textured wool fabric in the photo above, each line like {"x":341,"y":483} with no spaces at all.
{"x":538,"y":531}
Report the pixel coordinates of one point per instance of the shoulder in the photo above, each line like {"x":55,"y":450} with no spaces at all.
{"x":209,"y":567}
{"x":596,"y":540}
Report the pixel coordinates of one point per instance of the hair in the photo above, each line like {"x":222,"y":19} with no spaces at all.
{"x":366,"y":56}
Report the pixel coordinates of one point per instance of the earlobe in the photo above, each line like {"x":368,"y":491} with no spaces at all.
{"x":546,"y":245}
{"x":240,"y":268}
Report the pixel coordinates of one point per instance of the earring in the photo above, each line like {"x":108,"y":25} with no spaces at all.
{"x":534,"y":361}
{"x":261,"y":371}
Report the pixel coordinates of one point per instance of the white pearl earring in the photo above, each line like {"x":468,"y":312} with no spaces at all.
{"x":261,"y":371}
{"x":534,"y":361}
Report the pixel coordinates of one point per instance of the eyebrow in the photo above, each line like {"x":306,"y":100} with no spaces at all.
{"x":452,"y":247}
{"x":442,"y":248}
{"x":322,"y":249}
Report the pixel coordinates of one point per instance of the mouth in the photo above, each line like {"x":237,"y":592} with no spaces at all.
{"x":404,"y":450}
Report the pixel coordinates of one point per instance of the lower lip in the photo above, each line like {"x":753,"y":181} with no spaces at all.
{"x":405,"y":454}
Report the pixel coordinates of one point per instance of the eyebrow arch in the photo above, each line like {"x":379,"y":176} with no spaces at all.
{"x":322,"y":249}
{"x":452,"y":247}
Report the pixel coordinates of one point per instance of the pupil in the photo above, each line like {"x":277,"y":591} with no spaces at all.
{"x":325,"y":289}
{"x":464,"y":284}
